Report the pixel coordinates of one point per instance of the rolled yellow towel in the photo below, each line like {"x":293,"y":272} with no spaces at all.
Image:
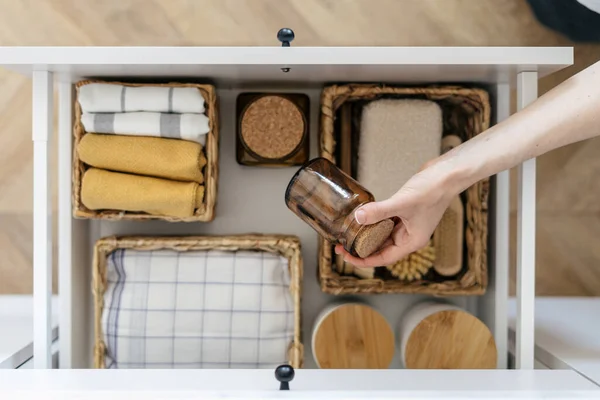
{"x":175,"y":159}
{"x":105,"y":190}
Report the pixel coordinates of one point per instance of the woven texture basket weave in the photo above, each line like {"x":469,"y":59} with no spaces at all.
{"x":287,"y":246}
{"x":466,"y":112}
{"x":205,"y":213}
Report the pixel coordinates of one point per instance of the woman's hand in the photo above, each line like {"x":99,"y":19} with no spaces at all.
{"x":566,"y":114}
{"x":418,"y":206}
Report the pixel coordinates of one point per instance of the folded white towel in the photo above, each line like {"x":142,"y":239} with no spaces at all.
{"x":193,"y":127}
{"x":102,"y":97}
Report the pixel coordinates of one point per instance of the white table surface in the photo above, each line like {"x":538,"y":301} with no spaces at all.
{"x":567,"y":333}
{"x":16,"y":327}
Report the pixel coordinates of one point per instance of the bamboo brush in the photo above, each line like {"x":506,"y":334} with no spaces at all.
{"x":415,"y":265}
{"x":448,"y":236}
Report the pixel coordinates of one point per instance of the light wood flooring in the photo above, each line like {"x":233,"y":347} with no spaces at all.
{"x":568,"y":187}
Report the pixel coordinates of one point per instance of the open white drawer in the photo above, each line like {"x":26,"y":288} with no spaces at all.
{"x":248,"y":195}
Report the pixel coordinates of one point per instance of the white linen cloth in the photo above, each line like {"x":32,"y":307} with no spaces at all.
{"x":192,"y":127}
{"x":102,"y":97}
{"x":197,"y":309}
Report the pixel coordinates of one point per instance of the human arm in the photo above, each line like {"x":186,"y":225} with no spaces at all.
{"x":567,"y":114}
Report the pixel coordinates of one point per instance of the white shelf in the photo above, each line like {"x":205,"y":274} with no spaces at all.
{"x":232,"y":55}
{"x":16,"y":329}
{"x":567,"y":333}
{"x":238,"y":381}
{"x":245,"y":66}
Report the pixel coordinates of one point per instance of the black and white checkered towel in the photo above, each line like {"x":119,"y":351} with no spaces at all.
{"x":197,"y":309}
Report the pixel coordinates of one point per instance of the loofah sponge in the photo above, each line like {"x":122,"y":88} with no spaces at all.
{"x":397,"y":136}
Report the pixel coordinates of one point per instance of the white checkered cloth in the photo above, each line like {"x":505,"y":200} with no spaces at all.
{"x":197,"y":309}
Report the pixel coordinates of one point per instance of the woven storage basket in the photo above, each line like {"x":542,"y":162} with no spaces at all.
{"x":287,"y":246}
{"x":211,"y":151}
{"x":466,"y":112}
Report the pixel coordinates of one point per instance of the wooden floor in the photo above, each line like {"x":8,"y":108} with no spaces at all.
{"x":568,"y":187}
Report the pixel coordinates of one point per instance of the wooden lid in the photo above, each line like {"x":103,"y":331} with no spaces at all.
{"x":451,"y":339}
{"x":272,"y":126}
{"x":372,"y":237}
{"x":353,"y":336}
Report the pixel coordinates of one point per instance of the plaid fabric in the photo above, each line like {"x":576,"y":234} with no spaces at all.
{"x":198,"y":309}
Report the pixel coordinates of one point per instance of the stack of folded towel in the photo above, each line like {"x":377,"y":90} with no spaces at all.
{"x":145,"y":148}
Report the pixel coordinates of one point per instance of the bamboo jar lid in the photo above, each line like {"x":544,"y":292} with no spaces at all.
{"x":352,"y":336}
{"x":441,"y":336}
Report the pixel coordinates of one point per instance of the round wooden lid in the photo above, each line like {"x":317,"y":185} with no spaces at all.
{"x":451,"y":339}
{"x":272,"y":126}
{"x":371,"y":237}
{"x":353,"y":336}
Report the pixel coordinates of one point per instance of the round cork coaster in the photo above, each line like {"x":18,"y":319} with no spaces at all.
{"x":352,"y":336}
{"x":371,"y":237}
{"x":272,"y":127}
{"x":450,"y":339}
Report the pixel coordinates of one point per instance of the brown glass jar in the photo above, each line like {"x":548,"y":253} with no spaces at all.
{"x":326,"y":198}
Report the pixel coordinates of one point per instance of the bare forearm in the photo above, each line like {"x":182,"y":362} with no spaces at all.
{"x":569,"y":113}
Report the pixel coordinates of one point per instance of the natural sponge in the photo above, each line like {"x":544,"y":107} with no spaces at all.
{"x":397,"y":136}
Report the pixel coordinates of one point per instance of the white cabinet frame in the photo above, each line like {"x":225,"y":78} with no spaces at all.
{"x":500,"y":67}
{"x":42,"y":127}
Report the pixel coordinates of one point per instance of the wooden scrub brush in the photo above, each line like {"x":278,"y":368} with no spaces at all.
{"x":448,"y":236}
{"x":415,"y":265}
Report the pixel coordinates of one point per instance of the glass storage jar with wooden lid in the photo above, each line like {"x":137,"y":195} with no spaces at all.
{"x":272,"y":129}
{"x":325,"y":197}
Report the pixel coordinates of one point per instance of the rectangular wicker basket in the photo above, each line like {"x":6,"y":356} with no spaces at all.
{"x":287,"y":246}
{"x":466,"y":112}
{"x":205,"y":213}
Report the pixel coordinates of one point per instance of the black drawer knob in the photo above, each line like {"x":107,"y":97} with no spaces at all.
{"x":285,"y":36}
{"x":284,"y":374}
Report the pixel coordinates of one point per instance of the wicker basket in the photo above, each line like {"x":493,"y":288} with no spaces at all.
{"x":287,"y":246}
{"x":205,"y":213}
{"x":466,"y":112}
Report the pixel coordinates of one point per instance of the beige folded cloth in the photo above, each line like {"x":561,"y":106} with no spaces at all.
{"x":175,"y":159}
{"x":105,"y":190}
{"x":396,"y":138}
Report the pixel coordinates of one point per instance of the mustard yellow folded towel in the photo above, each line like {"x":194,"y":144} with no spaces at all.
{"x":106,"y":190}
{"x":175,"y":159}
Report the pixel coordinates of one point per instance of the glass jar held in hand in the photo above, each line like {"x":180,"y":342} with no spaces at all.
{"x":326,"y":198}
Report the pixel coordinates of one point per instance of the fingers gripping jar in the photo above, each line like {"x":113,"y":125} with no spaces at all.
{"x":326,"y":198}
